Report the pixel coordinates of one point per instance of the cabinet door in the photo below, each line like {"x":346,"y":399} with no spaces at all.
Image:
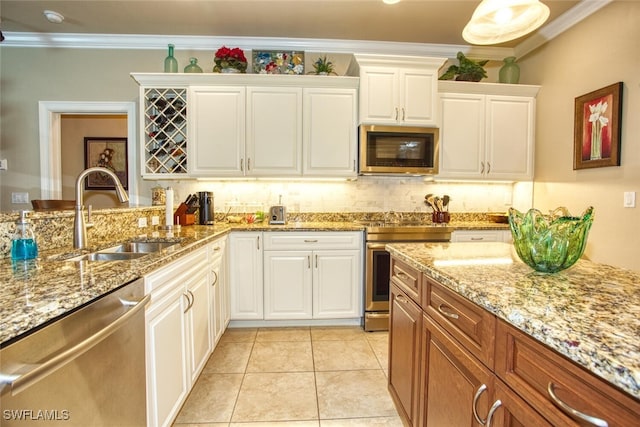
{"x":462,"y":136}
{"x":274,"y":131}
{"x":167,"y":376}
{"x":418,"y":91}
{"x":218,"y":309}
{"x":245,"y":275}
{"x":405,"y":327}
{"x":452,"y":378}
{"x":510,"y":136}
{"x":217,"y":130}
{"x":287,"y":285}
{"x":198,"y":321}
{"x":337,"y":284}
{"x":330,"y":132}
{"x":379,"y":95}
{"x":512,"y":411}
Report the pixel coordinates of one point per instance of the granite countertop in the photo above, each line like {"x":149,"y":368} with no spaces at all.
{"x":590,"y":312}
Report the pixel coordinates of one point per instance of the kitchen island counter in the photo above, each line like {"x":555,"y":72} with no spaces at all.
{"x":589,"y":313}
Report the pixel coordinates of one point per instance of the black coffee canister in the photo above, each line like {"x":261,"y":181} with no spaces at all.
{"x":206,"y":207}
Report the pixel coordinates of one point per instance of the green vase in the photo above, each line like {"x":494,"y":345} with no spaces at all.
{"x":550,"y":243}
{"x":170,"y":63}
{"x":193,"y":66}
{"x":510,"y":71}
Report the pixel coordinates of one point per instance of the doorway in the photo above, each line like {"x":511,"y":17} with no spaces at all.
{"x":51,"y":117}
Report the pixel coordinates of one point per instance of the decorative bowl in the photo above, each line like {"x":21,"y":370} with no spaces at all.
{"x":550,"y":243}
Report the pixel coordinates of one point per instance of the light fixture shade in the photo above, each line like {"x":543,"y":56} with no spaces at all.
{"x":497,"y":21}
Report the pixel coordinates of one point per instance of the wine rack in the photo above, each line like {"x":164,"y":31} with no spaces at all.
{"x":165,"y":130}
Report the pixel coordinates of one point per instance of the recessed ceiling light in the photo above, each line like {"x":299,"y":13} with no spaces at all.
{"x":53,"y":17}
{"x":391,"y":1}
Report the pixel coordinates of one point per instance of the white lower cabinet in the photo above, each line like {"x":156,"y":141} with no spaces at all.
{"x":219,"y":289}
{"x":179,"y":331}
{"x":312,"y":275}
{"x":245,"y":275}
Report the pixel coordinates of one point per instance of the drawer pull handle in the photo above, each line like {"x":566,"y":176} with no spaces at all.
{"x":477,"y":238}
{"x":481,"y":390}
{"x":446,"y":313}
{"x":215,"y":279}
{"x":402,"y":299}
{"x":402,"y":275}
{"x":311,"y":240}
{"x":573,"y":413}
{"x":492,"y":411}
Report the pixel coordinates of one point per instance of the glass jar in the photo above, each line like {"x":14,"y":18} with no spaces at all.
{"x":193,"y":66}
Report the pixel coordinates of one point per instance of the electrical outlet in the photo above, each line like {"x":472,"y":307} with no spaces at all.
{"x":629,"y":199}
{"x":3,"y":165}
{"x":19,"y":198}
{"x":155,"y":220}
{"x":142,"y":222}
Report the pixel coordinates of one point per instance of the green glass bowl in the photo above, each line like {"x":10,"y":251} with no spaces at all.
{"x":550,"y":243}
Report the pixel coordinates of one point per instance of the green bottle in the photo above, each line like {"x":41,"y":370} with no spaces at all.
{"x":170,"y":63}
{"x":193,"y":66}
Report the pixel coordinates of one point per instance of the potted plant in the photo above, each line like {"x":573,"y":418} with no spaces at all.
{"x":230,"y":60}
{"x":467,"y":70}
{"x":323,"y":67}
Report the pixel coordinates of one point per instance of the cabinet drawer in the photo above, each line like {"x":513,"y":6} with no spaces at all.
{"x":284,"y":240}
{"x":529,"y":368}
{"x":478,"y":236}
{"x":407,"y":278}
{"x":471,"y":325}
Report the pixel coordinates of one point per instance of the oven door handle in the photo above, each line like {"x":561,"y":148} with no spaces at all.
{"x":376,"y":245}
{"x":20,"y":381}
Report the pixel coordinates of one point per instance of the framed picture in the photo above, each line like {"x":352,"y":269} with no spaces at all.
{"x":277,"y":62}
{"x":110,"y":153}
{"x":597,"y":128}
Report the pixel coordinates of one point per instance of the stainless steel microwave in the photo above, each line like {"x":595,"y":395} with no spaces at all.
{"x":398,"y":150}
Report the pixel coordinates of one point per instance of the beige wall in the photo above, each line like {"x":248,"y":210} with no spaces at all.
{"x":73,"y":131}
{"x":601,"y":50}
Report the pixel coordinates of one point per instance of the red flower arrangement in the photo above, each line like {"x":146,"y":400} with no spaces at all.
{"x":230,"y":58}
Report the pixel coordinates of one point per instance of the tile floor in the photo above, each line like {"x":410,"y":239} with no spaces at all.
{"x":293,"y":377}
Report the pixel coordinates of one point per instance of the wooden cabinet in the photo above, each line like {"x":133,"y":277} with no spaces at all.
{"x":486,"y":131}
{"x":477,"y":370}
{"x":330,"y":139}
{"x":245,"y":276}
{"x":312,"y":275}
{"x":481,"y":236}
{"x":405,"y":327}
{"x":398,"y":90}
{"x":564,"y":393}
{"x":178,"y":336}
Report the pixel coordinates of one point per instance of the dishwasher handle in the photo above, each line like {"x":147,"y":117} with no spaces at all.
{"x":19,"y":382}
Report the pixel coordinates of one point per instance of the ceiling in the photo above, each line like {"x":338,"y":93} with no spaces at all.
{"x":410,"y":21}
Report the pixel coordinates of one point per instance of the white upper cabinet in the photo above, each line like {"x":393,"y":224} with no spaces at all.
{"x":330,"y":139}
{"x":217,"y":122}
{"x":247,"y":125}
{"x":274,"y":131}
{"x":487,"y":131}
{"x":399,"y":90}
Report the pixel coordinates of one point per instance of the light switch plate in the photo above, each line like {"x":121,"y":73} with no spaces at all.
{"x":629,"y":199}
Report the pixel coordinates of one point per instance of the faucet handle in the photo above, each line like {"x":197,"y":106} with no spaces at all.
{"x":89,"y":223}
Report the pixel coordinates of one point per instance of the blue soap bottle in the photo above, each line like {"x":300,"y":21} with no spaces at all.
{"x":23,"y":244}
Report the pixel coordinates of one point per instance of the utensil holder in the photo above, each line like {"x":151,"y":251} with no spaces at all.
{"x":440,"y":217}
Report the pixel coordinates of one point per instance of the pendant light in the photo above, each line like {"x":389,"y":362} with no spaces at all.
{"x":497,"y":21}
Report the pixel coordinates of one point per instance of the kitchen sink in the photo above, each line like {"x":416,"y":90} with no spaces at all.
{"x":140,"y":247}
{"x":108,"y":256}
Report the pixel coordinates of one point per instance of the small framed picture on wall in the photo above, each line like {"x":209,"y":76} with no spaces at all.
{"x":110,"y":153}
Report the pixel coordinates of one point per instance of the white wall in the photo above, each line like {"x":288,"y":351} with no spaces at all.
{"x":601,"y":50}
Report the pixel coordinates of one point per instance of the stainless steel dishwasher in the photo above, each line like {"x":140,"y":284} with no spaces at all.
{"x":86,"y":369}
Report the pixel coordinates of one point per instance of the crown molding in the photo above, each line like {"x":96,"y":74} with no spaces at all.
{"x":559,"y":25}
{"x":159,"y":42}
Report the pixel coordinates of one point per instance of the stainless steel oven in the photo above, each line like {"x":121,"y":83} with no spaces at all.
{"x":377,"y":264}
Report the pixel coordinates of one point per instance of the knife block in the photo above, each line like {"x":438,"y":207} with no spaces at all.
{"x":181,"y":216}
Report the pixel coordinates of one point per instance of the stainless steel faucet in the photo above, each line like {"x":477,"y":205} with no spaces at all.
{"x":79,"y":225}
